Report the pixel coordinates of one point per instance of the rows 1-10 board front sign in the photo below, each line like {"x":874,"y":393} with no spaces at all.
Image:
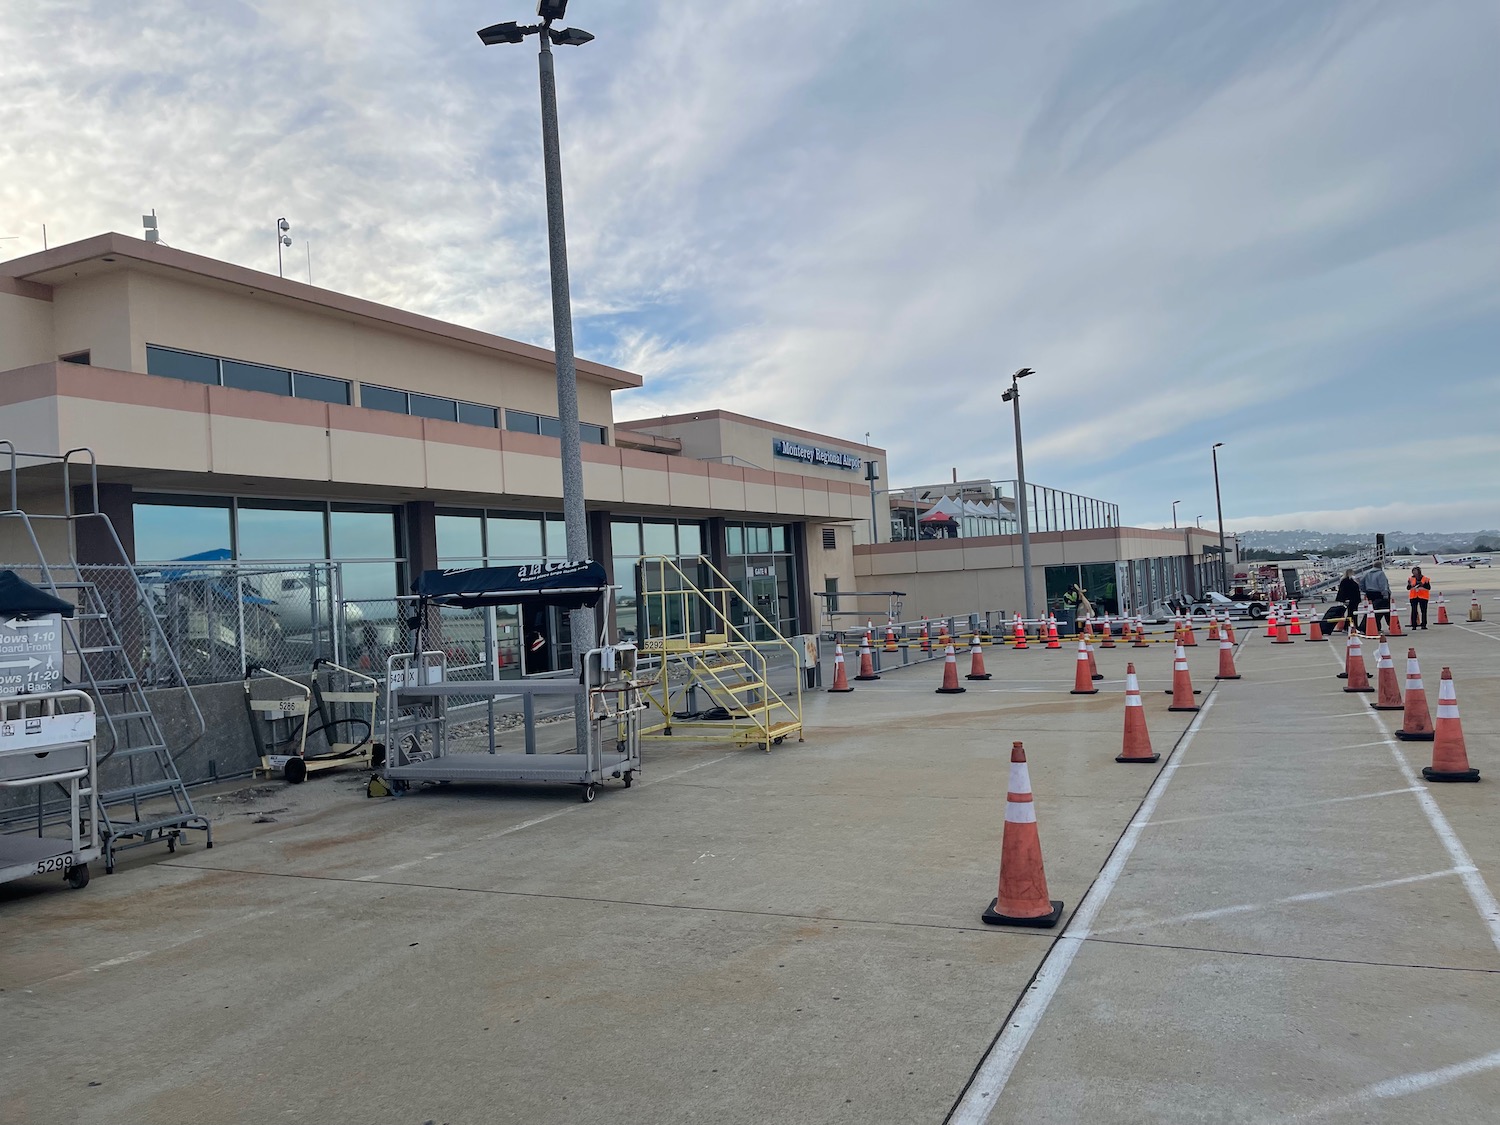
{"x":812,"y":455}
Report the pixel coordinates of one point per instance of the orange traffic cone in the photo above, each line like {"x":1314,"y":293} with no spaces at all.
{"x":976,"y":662}
{"x":1188,"y":639}
{"x":1393,"y":625}
{"x":890,"y":638}
{"x":1314,"y":629}
{"x":926,"y":640}
{"x":1182,"y":683}
{"x":1109,"y":640}
{"x":1372,"y":622}
{"x":1083,"y":678}
{"x":1354,"y":666}
{"x":1213,"y":627}
{"x":1022,"y":899}
{"x":840,"y":677}
{"x":1281,"y":633}
{"x":1229,"y":630}
{"x":866,"y":661}
{"x":1094,"y":673}
{"x":1137,"y":746}
{"x":1140,"y":635}
{"x":951,"y":686}
{"x":1020,"y":634}
{"x":1450,"y":757}
{"x":1442,"y":611}
{"x":1416,"y":723}
{"x":1389,"y":697}
{"x":1476,"y":611}
{"x":1271,"y":625}
{"x":1296,"y":629}
{"x":1052,"y":639}
{"x":943,"y":638}
{"x":1226,"y":661}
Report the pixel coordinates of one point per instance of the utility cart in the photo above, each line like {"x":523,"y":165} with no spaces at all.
{"x":335,"y":708}
{"x":439,"y":729}
{"x":47,"y":740}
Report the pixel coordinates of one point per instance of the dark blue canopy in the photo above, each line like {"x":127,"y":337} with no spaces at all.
{"x":570,"y":585}
{"x":20,"y":597}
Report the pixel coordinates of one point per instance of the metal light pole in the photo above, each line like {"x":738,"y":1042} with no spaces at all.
{"x":1023,"y":501}
{"x":872,"y":474}
{"x":1174,"y":513}
{"x":1223,"y":568}
{"x":282,"y":239}
{"x":583,"y":627}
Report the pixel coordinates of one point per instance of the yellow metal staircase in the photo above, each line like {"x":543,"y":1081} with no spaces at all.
{"x":715,"y":682}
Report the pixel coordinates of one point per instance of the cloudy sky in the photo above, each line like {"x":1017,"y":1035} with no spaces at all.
{"x":1272,"y":224}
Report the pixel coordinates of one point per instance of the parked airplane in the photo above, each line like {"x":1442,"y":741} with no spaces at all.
{"x":1470,"y":561}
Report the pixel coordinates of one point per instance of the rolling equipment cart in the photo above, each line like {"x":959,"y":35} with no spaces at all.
{"x":48,"y":739}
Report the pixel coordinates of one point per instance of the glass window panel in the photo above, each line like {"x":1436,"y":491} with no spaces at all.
{"x":521,"y":421}
{"x":591,"y":433}
{"x":254,"y":377}
{"x":362,"y":535}
{"x":174,"y":531}
{"x":430,"y":406}
{"x":734,"y":536}
{"x":778,"y":539}
{"x":281,"y":533}
{"x":475,"y":415}
{"x":514,"y":537}
{"x":181,"y":365}
{"x":689,"y":539}
{"x":758,"y":540}
{"x":659,"y":538}
{"x":460,"y":537}
{"x":557,"y":538}
{"x":549,"y":427}
{"x":370,"y":582}
{"x":382,"y":398}
{"x":320,"y":387}
{"x":625,"y":538}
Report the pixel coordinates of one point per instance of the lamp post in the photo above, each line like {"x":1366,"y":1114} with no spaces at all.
{"x":1023,"y":502}
{"x":583,"y":626}
{"x":1223,"y":569}
{"x":1174,"y":513}
{"x":282,"y":239}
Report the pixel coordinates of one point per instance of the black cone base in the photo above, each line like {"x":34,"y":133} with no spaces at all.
{"x":1234,"y":677}
{"x":1084,"y":691}
{"x":1097,"y":676}
{"x":1143,"y":761}
{"x":1443,"y":775}
{"x":1342,"y":676}
{"x":1360,"y":690}
{"x":839,"y":690}
{"x":875,"y":677}
{"x":951,"y":690}
{"x":973,"y":677}
{"x":1416,"y":736}
{"x":1389,"y":706}
{"x":1316,"y":639}
{"x":1184,"y":708}
{"x":1169,"y":691}
{"x":1045,"y":922}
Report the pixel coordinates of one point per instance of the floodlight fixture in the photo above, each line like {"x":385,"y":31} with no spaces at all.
{"x":509,"y":32}
{"x":550,"y":10}
{"x":1023,"y":372}
{"x":570,"y":37}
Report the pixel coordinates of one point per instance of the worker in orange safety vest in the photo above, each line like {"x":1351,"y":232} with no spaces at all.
{"x":1418,"y":592}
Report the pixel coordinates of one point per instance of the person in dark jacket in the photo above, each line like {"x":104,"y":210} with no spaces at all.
{"x":1348,"y":594}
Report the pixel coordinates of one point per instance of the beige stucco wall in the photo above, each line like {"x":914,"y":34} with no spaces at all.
{"x":261,"y":328}
{"x":25,"y":331}
{"x":93,"y":314}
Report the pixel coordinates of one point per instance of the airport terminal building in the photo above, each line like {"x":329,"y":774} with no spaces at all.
{"x":241,"y":416}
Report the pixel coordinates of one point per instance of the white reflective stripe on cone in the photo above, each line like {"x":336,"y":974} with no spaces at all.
{"x":1447,"y":711}
{"x":1414,"y":683}
{"x":1020,"y":779}
{"x":1020,"y":812}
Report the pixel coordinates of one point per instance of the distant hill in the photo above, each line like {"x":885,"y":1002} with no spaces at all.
{"x":1307,"y":541}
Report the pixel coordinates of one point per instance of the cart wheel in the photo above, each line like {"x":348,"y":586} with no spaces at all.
{"x":377,"y":755}
{"x":171,"y":843}
{"x":399,"y":786}
{"x":629,"y":775}
{"x":77,"y":877}
{"x":295,"y":771}
{"x":777,"y":741}
{"x":588,"y":793}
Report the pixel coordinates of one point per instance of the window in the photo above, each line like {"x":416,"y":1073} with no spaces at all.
{"x":76,"y":357}
{"x":592,"y":434}
{"x":320,"y":388}
{"x":549,"y":427}
{"x":290,"y":530}
{"x":831,"y":588}
{"x":514,"y":537}
{"x":522,"y":422}
{"x":475,"y":415}
{"x":428,"y":406}
{"x":460,"y":537}
{"x":525,"y":422}
{"x":188,"y":366}
{"x":660,"y":538}
{"x":830,"y":539}
{"x":254,"y":377}
{"x":382,"y":398}
{"x":167,"y":528}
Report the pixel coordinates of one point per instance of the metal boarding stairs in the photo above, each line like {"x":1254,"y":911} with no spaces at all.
{"x":1328,"y":579}
{"x":715,"y":682}
{"x":142,"y":797}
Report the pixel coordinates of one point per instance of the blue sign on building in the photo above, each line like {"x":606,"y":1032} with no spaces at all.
{"x":813,"y":455}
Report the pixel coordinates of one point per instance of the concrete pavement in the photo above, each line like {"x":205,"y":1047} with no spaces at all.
{"x":795,"y":937}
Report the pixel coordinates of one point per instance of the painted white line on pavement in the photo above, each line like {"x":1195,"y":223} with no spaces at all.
{"x":1259,"y":755}
{"x":553,"y":815}
{"x":995,"y":1071}
{"x":1307,"y":896}
{"x":1400,"y":1087}
{"x":1263,"y":809}
{"x":1476,"y":632}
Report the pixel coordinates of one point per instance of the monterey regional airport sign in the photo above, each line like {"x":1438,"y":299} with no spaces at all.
{"x":812,"y":455}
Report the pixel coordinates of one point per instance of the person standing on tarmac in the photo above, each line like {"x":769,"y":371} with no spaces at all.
{"x":1378,"y":588}
{"x":1418,"y":592}
{"x":1348,"y":595}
